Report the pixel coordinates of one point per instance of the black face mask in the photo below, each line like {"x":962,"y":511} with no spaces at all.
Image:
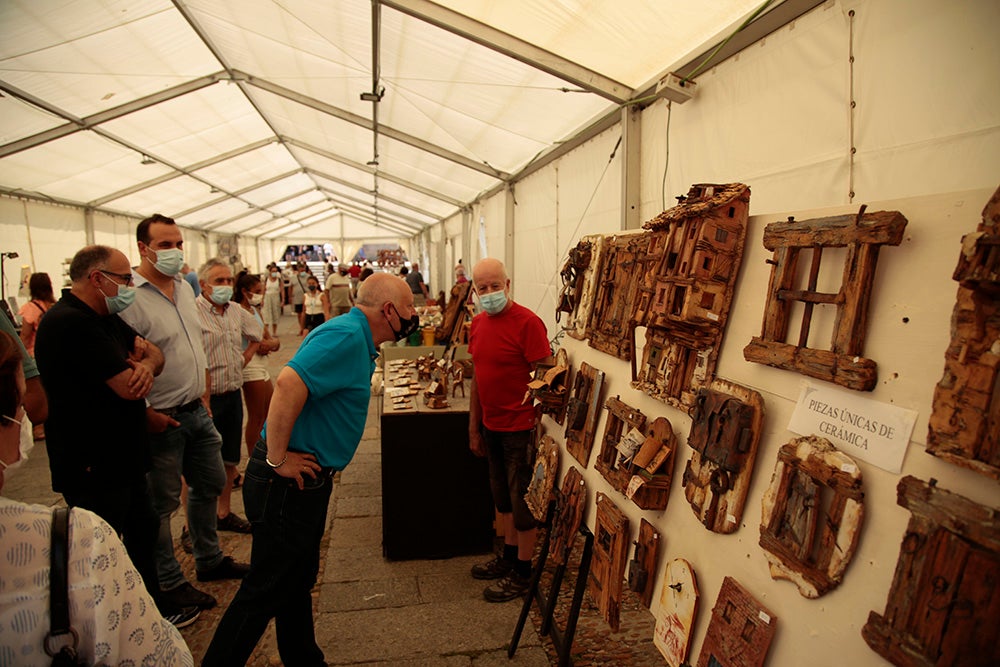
{"x":407,"y":327}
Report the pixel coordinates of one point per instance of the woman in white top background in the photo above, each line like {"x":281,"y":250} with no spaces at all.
{"x":257,"y":385}
{"x":315,"y":306}
{"x":274,"y":299}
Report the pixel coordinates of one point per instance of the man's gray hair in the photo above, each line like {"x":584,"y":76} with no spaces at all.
{"x":211,"y":264}
{"x":87,"y":260}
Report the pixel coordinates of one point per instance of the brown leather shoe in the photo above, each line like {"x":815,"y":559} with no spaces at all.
{"x":226,"y":569}
{"x":234,"y":523}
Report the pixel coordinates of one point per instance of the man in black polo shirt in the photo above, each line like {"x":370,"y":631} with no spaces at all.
{"x":97,"y":371}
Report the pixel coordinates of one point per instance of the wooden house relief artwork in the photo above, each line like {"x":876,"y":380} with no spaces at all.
{"x":583,"y":411}
{"x":642,"y":567}
{"x":843,"y":363}
{"x":725,"y":432}
{"x":677,"y":613}
{"x":690,"y":268}
{"x":629,"y":440}
{"x":812,"y":515}
{"x":549,"y":386}
{"x":619,"y":273}
{"x":622,"y":419}
{"x":543,"y":479}
{"x":740,"y":632}
{"x":580,"y":281}
{"x":607,"y":568}
{"x":964,"y":426}
{"x":944,"y":604}
{"x":572,"y":503}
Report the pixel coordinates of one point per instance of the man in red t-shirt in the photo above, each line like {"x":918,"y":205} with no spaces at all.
{"x":506,"y":341}
{"x":355,"y":274}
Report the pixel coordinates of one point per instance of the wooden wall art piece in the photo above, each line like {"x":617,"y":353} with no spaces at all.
{"x":619,"y":275}
{"x":944,"y":604}
{"x":690,"y":267}
{"x":586,"y":284}
{"x":964,"y":426}
{"x":812,"y":515}
{"x":572,"y":503}
{"x":550,"y":386}
{"x":607,"y":571}
{"x":862,"y":235}
{"x":677,"y":613}
{"x":583,"y":411}
{"x":740,"y":631}
{"x":539,"y":493}
{"x":573,"y":275}
{"x":622,"y":419}
{"x":455,"y":315}
{"x":651,"y":470}
{"x":642,"y":567}
{"x":725,"y":432}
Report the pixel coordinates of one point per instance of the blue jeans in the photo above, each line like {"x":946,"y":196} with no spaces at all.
{"x":194,"y":450}
{"x":288,"y":525}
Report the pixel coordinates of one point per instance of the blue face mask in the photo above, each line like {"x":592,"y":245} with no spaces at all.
{"x":120,"y":301}
{"x":169,"y":261}
{"x":494,"y":302}
{"x":221,"y":294}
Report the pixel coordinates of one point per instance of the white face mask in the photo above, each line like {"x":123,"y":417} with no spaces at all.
{"x":256,"y":299}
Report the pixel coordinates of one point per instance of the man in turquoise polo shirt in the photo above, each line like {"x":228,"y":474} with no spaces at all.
{"x":314,"y":425}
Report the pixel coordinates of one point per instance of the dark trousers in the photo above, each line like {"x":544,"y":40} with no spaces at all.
{"x":288,"y":525}
{"x":127,"y":507}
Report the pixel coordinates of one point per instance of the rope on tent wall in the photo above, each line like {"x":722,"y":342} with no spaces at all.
{"x":27,"y":226}
{"x":850,"y":60}
{"x":666,"y":161}
{"x":590,"y":201}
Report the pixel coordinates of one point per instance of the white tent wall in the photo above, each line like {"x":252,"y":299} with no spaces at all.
{"x":778,"y":118}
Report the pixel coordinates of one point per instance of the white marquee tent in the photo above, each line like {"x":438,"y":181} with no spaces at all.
{"x":511,"y":128}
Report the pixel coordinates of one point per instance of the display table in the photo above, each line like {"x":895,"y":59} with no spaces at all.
{"x":436,"y":499}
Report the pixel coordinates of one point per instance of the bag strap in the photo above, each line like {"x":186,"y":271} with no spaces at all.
{"x":59,"y":580}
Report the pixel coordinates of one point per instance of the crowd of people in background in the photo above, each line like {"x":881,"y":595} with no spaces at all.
{"x":151,"y":418}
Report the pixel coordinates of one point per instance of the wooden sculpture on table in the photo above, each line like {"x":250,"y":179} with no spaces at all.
{"x":725,"y":432}
{"x":740,"y":631}
{"x":584,"y":283}
{"x":944,"y":604}
{"x":583,"y":410}
{"x":607,"y":569}
{"x":964,"y":427}
{"x":642,"y":568}
{"x":456,"y":315}
{"x":539,"y":493}
{"x":617,"y":286}
{"x":549,"y":387}
{"x":689,"y":276}
{"x":677,"y":613}
{"x":863,"y":235}
{"x":805,"y":539}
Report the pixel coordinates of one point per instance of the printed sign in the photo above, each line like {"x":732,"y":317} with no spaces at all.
{"x":862,"y":428}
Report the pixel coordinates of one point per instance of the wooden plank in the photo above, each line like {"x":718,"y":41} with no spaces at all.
{"x":879,"y":227}
{"x":677,"y":613}
{"x":852,"y":372}
{"x":585,"y":409}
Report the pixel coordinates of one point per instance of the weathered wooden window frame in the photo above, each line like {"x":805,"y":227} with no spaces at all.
{"x":863,"y":235}
{"x":809,"y":465}
{"x":942,"y":606}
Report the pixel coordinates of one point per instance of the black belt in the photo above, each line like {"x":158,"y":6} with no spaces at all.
{"x":190,"y":406}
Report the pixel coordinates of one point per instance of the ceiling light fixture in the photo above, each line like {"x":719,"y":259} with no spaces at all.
{"x":147,"y":160}
{"x":214,"y":190}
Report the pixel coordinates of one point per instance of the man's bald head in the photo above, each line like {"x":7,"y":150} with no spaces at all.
{"x":380,"y":288}
{"x":489,"y":268}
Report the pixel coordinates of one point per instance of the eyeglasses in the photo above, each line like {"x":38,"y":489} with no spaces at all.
{"x":127,"y":277}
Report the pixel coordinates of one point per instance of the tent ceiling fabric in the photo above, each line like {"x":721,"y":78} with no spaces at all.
{"x":246,"y":117}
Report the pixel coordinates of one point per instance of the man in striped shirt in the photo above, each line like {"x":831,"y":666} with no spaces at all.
{"x":223,"y":328}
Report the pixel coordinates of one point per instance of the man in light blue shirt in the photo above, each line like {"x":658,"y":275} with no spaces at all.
{"x":314,"y":424}
{"x":183,"y":439}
